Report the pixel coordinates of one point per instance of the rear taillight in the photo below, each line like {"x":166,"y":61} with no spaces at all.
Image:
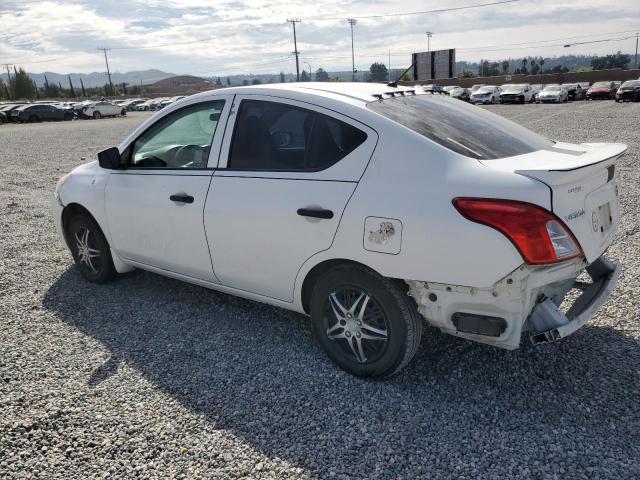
{"x":538,"y":234}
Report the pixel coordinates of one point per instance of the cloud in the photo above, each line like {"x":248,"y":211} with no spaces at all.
{"x":242,"y":36}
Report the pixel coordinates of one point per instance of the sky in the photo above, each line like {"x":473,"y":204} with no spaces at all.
{"x":226,"y":37}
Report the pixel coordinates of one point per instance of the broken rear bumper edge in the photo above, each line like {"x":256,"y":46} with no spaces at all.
{"x":550,"y":324}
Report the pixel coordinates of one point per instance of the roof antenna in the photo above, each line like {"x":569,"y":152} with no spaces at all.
{"x":394,"y":84}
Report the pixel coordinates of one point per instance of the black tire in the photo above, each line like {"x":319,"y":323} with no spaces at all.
{"x":68,"y":117}
{"x":82,"y":232}
{"x":97,"y":115}
{"x":34,"y":119}
{"x":123,"y":112}
{"x":389,"y":320}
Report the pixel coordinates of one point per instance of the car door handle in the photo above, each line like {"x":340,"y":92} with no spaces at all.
{"x":315,"y":212}
{"x":181,"y":197}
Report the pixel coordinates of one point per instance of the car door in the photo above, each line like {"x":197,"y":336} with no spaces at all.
{"x":108,"y":108}
{"x":155,"y":205}
{"x":53,"y":113}
{"x":287,"y":171}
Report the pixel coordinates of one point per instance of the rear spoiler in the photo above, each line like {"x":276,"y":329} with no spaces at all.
{"x":599,"y":155}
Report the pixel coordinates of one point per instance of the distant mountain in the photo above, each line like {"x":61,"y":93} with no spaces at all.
{"x":98,"y":79}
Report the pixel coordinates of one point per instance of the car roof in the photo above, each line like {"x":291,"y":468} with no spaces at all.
{"x":355,"y":93}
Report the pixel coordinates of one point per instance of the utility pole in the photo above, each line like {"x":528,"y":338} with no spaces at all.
{"x":636,"y":60}
{"x":8,"y":78}
{"x":429,"y":35}
{"x":352,"y":22}
{"x":310,"y":74}
{"x":108,"y":72}
{"x":293,"y":22}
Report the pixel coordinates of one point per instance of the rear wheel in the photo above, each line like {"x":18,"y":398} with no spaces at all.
{"x":123,"y":112}
{"x":90,"y":249}
{"x":366,"y":323}
{"x":97,"y":115}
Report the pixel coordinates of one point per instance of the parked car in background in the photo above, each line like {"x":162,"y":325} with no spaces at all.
{"x":66,"y":106}
{"x":476,"y":87}
{"x":78,"y":106}
{"x":629,"y":91}
{"x":574,"y":91}
{"x":169,"y":101}
{"x":516,"y":93}
{"x":144,"y":106}
{"x":601,"y":90}
{"x":433,"y":88}
{"x":479,"y":234}
{"x":448,"y":88}
{"x":151,"y":104}
{"x":553,"y":94}
{"x":7,"y":108}
{"x":157,"y":103}
{"x":461,"y":94}
{"x":617,"y":84}
{"x":585,"y":86}
{"x":536,"y":89}
{"x":38,"y":112}
{"x":133,"y":104}
{"x":101,"y":109}
{"x":486,"y":94}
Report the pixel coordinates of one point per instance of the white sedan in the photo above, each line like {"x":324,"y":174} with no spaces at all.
{"x":486,"y":94}
{"x":103,"y":108}
{"x":372,"y":209}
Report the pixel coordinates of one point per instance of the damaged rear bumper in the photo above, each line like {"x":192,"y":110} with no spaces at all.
{"x":526,"y":300}
{"x":550,"y":324}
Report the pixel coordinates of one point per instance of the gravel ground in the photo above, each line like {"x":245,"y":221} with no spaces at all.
{"x":148,"y":377}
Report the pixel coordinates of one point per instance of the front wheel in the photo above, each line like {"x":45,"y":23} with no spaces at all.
{"x":90,"y":250}
{"x":366,"y":323}
{"x":97,"y":115}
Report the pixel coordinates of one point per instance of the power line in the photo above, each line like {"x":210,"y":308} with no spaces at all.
{"x":424,"y":12}
{"x":600,"y":41}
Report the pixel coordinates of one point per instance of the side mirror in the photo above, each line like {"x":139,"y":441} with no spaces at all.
{"x":110,"y":158}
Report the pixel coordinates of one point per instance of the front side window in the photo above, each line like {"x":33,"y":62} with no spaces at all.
{"x":180,"y":140}
{"x":272,"y":136}
{"x":464,"y":129}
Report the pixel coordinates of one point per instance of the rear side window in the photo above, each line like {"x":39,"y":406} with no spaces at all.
{"x":464,"y":129}
{"x":271,"y":136}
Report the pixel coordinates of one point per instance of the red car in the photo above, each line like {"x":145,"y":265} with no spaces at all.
{"x":602,"y":90}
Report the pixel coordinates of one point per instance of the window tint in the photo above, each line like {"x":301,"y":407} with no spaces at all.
{"x":464,"y":129}
{"x":180,"y":140}
{"x":274,"y":136}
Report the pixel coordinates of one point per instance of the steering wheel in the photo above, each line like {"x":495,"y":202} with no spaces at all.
{"x":185,"y":155}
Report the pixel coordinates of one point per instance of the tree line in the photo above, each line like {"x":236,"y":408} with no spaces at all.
{"x":535,"y":66}
{"x":21,"y":86}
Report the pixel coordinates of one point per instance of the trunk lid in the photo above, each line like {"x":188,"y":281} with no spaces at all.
{"x":584,"y":188}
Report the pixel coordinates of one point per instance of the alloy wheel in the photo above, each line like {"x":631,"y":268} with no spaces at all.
{"x":358,"y":325}
{"x":88,"y":256}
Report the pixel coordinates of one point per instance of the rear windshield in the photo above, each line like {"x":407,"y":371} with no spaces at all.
{"x":464,"y":129}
